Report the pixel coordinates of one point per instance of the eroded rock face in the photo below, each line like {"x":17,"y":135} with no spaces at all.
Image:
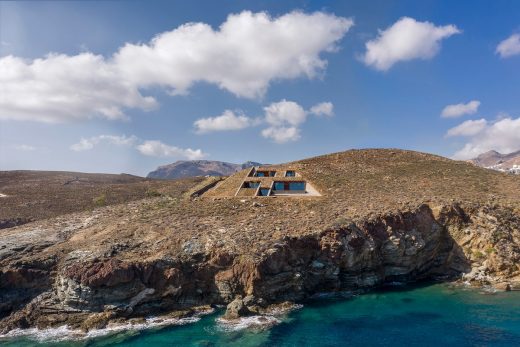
{"x":416,"y":245}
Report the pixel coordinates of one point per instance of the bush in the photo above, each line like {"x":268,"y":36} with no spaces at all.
{"x":153,"y":193}
{"x":490,"y":250}
{"x":100,"y":200}
{"x":478,"y":255}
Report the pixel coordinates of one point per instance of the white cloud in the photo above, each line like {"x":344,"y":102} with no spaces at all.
{"x":468,"y":128}
{"x":86,"y":144}
{"x":156,"y":148}
{"x":405,"y":40}
{"x":502,"y":135}
{"x":24,"y":148}
{"x":228,"y":120}
{"x":243,"y":56}
{"x":284,"y":112}
{"x":282,"y":134}
{"x":283,"y":119}
{"x":457,"y":110}
{"x":509,"y":47}
{"x":323,"y":109}
{"x":152,"y":148}
{"x":63,"y":88}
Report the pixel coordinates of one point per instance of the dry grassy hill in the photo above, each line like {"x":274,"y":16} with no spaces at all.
{"x":35,"y":195}
{"x":384,"y":215}
{"x":387,"y":178}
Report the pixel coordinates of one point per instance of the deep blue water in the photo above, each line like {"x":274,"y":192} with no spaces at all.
{"x":435,"y":315}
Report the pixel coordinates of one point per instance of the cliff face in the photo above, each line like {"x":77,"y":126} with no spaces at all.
{"x":421,"y":244}
{"x":384,"y":216}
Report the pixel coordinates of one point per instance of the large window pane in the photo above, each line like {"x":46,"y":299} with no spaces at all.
{"x":297,"y":186}
{"x":278,"y":186}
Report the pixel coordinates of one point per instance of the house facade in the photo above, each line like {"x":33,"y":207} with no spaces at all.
{"x":269,"y":182}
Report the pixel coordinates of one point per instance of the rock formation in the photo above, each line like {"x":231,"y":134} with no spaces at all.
{"x":385,"y":216}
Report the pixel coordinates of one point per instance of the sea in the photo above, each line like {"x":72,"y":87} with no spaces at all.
{"x":426,"y":315}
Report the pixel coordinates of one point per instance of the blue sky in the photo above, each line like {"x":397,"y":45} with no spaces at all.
{"x":425,"y":56}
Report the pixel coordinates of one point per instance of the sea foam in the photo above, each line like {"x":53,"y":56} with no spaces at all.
{"x":63,"y":333}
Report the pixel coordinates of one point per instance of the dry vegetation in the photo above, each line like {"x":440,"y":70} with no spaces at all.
{"x":168,"y":229}
{"x":354,"y":184}
{"x":35,"y":195}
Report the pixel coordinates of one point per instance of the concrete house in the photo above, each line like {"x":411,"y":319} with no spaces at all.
{"x":268,"y":181}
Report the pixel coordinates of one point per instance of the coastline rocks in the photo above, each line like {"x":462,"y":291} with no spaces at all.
{"x":420,"y":244}
{"x":236,"y":309}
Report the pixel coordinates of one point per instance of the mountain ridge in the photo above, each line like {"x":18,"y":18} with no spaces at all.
{"x":194,"y":168}
{"x":495,"y":160}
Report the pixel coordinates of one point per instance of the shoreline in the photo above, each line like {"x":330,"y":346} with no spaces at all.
{"x":254,"y":323}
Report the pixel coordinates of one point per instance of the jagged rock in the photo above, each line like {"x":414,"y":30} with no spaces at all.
{"x":236,"y":309}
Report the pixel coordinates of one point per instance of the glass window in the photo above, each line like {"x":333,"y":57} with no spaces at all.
{"x":290,"y":173}
{"x":278,"y":186}
{"x":263,"y":192}
{"x":297,"y":186}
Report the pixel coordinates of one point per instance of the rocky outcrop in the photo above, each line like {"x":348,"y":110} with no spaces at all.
{"x":12,"y":222}
{"x":479,"y":243}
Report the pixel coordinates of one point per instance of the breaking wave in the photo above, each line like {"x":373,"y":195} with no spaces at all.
{"x":63,"y":333}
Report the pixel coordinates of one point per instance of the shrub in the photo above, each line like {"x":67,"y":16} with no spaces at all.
{"x":490,"y":250}
{"x":100,"y":200}
{"x":478,"y":255}
{"x":153,"y":193}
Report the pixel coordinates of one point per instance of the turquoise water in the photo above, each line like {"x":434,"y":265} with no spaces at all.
{"x":436,"y":315}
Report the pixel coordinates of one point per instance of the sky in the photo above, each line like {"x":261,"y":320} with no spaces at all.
{"x":126,"y":86}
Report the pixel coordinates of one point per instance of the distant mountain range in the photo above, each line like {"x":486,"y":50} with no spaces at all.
{"x":193,"y":168}
{"x":497,"y":161}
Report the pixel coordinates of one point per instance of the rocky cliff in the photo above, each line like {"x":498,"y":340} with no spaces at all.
{"x":173,"y":254}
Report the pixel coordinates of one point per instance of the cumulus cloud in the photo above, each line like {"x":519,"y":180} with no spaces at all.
{"x":86,"y":144}
{"x":285,"y":117}
{"x":243,"y":56}
{"x":509,"y":47}
{"x":503,"y":135}
{"x":325,"y":109}
{"x":406,"y":39}
{"x":282,"y":134}
{"x":468,"y":128}
{"x":60,"y":87}
{"x":457,"y":110}
{"x":285,"y":112}
{"x":228,"y":120}
{"x":283,"y":120}
{"x":154,"y":148}
{"x":282,"y":117}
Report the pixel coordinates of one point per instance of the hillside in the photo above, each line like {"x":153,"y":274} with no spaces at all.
{"x":383,"y":216}
{"x":194,"y":168}
{"x":497,"y":161}
{"x":34,"y":195}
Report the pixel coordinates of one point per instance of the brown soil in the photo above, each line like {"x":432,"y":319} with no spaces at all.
{"x":35,"y":195}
